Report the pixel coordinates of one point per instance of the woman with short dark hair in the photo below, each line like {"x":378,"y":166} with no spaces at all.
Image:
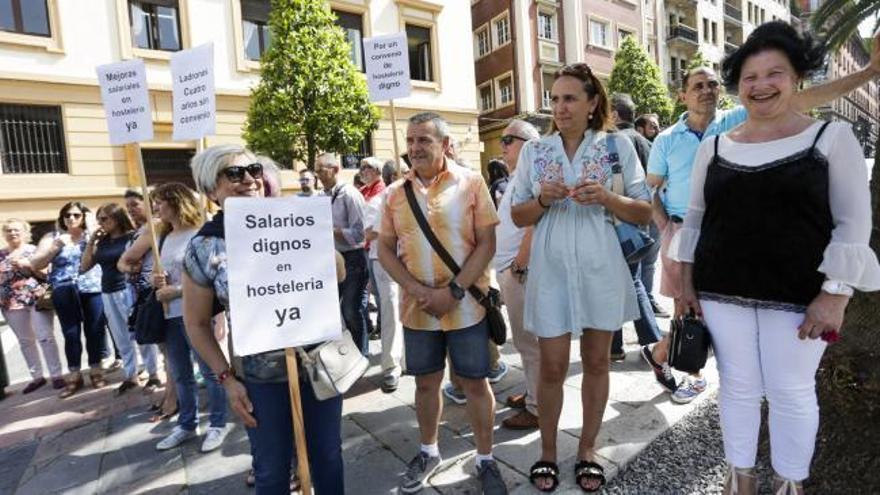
{"x":773,"y":244}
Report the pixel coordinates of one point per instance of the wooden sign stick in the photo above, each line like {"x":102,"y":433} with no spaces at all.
{"x":203,"y":198}
{"x":299,"y":432}
{"x":394,"y":135}
{"x":148,"y":204}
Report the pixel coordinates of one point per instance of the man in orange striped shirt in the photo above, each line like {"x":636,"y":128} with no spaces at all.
{"x":437,"y":313}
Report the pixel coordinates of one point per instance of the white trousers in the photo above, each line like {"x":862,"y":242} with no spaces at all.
{"x":391,"y":329}
{"x":513,"y":294}
{"x":758,"y":354}
{"x":31,"y":327}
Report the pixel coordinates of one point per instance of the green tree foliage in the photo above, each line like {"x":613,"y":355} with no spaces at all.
{"x":837,"y":20}
{"x":636,"y":74}
{"x":725,"y":101}
{"x":310,"y":97}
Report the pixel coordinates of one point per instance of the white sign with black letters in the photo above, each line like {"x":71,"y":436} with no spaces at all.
{"x":126,"y":101}
{"x":387,"y":64}
{"x":195,"y":105}
{"x":282,"y":273}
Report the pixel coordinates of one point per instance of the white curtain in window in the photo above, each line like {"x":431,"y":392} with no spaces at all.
{"x":139,"y":30}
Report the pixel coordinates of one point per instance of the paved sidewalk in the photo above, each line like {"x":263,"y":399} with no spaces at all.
{"x":98,"y":443}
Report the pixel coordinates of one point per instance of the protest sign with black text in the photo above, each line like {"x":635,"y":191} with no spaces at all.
{"x":195,"y":105}
{"x":282,"y":273}
{"x":126,"y":101}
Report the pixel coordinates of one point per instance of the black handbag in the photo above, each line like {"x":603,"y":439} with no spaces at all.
{"x":689,"y":344}
{"x":491,"y":301}
{"x":148,"y":319}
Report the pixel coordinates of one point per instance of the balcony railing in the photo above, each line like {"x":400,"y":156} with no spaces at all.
{"x":733,"y":12}
{"x":729,"y":47}
{"x":683,"y":32}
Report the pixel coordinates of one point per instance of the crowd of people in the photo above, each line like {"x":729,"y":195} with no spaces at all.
{"x":760,"y":217}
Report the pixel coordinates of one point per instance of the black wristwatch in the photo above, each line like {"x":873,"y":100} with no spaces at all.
{"x":457,"y":292}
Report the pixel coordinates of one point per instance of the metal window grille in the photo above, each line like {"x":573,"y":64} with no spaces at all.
{"x":32,"y":139}
{"x":364,"y":149}
{"x":168,"y":165}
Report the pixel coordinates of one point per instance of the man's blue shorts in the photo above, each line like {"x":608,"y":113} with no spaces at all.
{"x":467,"y":347}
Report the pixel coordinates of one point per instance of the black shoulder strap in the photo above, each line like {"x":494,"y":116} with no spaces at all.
{"x":162,"y":241}
{"x":818,"y":135}
{"x":432,"y":238}
{"x":717,"y":138}
{"x":336,"y":194}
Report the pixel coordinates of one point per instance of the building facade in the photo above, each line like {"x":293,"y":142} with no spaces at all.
{"x":711,"y":27}
{"x":54,"y":144}
{"x":861,"y":108}
{"x":519,"y":44}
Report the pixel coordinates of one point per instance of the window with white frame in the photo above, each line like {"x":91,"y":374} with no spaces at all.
{"x":622,"y":34}
{"x":546,"y":26}
{"x":487,"y":98}
{"x":483,"y":41}
{"x":155,"y":24}
{"x":30,"y":17}
{"x":599,"y":33}
{"x":547,"y":80}
{"x":255,"y":27}
{"x":505,"y":91}
{"x":352,"y":25}
{"x":418,"y":39}
{"x":502,"y":30}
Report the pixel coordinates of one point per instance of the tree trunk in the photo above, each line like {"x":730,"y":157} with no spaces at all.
{"x":855,"y":359}
{"x":311,"y":151}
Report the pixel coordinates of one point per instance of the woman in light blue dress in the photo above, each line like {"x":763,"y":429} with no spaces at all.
{"x":579,"y":283}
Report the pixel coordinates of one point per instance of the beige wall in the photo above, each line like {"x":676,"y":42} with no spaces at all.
{"x":99,"y":172}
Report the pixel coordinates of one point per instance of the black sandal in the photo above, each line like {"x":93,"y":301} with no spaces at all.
{"x":544,"y":469}
{"x":591,"y":471}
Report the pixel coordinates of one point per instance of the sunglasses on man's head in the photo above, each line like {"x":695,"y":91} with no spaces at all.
{"x":508,"y":139}
{"x":235,"y":173}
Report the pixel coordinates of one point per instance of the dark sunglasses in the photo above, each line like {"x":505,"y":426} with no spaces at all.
{"x":508,"y":139}
{"x":235,"y":173}
{"x":103,"y":219}
{"x":73,"y":215}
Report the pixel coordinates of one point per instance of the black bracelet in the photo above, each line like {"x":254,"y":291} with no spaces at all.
{"x":542,"y":205}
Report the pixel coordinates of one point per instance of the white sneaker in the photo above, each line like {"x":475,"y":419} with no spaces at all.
{"x":178,"y":436}
{"x":689,"y":390}
{"x":213,"y":438}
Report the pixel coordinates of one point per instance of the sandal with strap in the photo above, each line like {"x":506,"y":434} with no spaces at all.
{"x":544,"y":469}
{"x":735,"y":476}
{"x":74,"y":383}
{"x":589,"y":471}
{"x":783,"y":486}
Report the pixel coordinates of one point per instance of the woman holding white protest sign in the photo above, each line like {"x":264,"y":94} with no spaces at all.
{"x":261,"y":399}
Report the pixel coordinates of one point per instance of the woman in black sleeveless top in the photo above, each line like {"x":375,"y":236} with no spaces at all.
{"x":774,"y":242}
